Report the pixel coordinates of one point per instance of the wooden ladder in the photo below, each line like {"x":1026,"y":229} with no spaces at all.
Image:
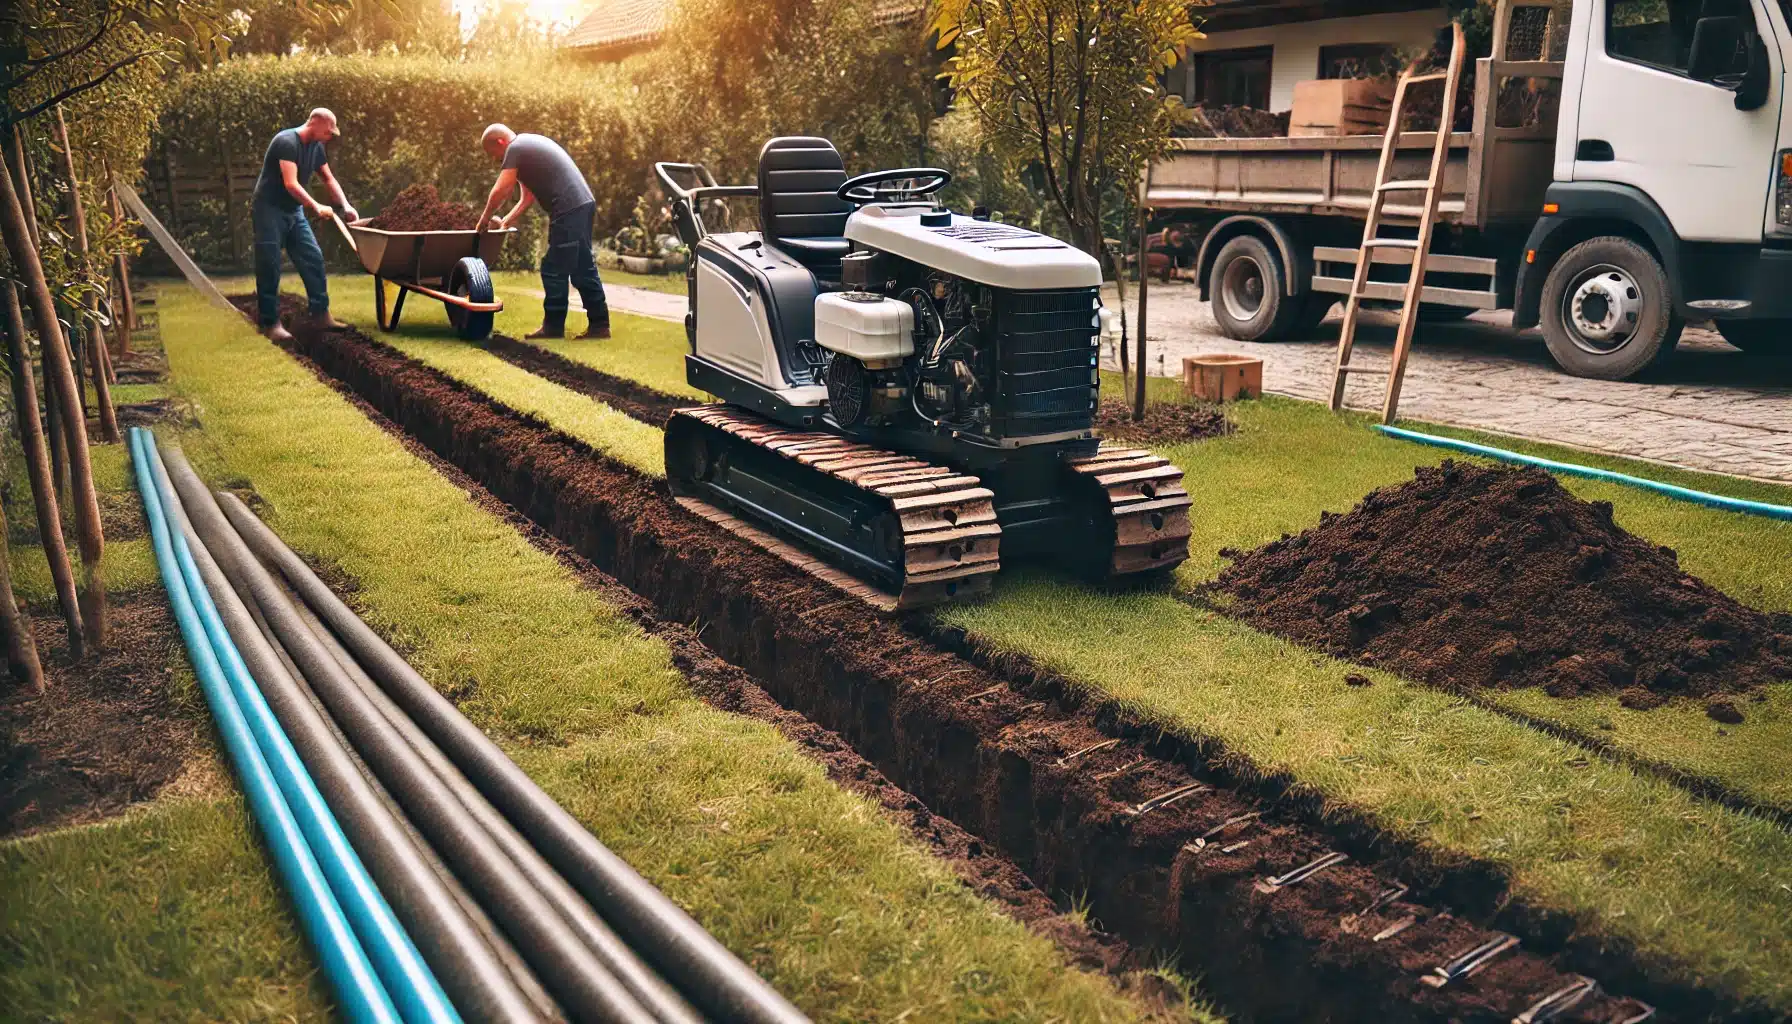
{"x":1372,"y":240}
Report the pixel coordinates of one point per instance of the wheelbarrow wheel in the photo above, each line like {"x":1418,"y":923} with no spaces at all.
{"x":472,"y":281}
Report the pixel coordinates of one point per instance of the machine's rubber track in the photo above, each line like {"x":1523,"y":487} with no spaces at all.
{"x":911,"y":532}
{"x":1147,"y":509}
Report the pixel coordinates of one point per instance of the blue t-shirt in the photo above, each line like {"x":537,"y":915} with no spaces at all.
{"x":545,"y":169}
{"x":309,"y":156}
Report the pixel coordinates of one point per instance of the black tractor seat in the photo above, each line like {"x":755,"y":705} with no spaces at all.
{"x":798,"y":210}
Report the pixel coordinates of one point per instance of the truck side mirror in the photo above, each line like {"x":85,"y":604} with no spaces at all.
{"x":1715,"y":42}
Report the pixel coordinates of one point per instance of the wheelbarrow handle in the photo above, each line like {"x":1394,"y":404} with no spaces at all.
{"x":346,"y":235}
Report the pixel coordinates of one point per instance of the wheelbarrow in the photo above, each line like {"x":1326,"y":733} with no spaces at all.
{"x":448,"y":266}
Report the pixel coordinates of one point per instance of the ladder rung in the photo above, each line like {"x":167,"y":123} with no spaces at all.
{"x":1390,"y":243}
{"x":1429,"y":76}
{"x":1404,"y":186}
{"x":1370,"y":370}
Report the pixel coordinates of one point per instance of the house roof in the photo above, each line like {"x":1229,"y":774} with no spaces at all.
{"x":617,"y":27}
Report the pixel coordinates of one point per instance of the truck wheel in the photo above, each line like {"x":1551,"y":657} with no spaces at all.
{"x":1768,"y":339}
{"x":1607,"y":310}
{"x":1248,"y":292}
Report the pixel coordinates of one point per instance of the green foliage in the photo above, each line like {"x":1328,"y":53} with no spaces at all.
{"x":1074,"y":85}
{"x":388,"y":26}
{"x":405,"y":120}
{"x":814,"y":67}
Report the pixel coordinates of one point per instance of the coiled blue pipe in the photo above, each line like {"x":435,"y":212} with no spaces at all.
{"x":1753,"y":508}
{"x":359,"y":993}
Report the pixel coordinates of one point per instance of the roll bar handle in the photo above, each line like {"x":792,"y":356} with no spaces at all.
{"x":687,"y":202}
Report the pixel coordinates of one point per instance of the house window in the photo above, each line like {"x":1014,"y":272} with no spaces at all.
{"x":1358,"y":60}
{"x":1233,"y":78}
{"x":1659,"y":32}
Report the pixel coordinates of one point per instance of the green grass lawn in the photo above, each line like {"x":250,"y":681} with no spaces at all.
{"x":832,"y":902}
{"x":1624,"y":853}
{"x":666,"y":284}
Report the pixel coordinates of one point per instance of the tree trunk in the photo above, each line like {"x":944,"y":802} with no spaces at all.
{"x":21,"y":648}
{"x":21,"y":183}
{"x":1138,"y":394}
{"x":121,"y":268}
{"x":88,"y":533}
{"x":99,"y":365}
{"x":37,"y":466}
{"x":58,"y":439}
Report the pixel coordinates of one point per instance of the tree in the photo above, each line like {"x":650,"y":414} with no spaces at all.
{"x":1074,"y":82}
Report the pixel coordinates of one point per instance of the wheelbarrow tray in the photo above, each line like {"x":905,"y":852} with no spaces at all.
{"x":422,"y":255}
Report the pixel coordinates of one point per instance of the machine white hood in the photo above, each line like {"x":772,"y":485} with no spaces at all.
{"x":998,"y":255}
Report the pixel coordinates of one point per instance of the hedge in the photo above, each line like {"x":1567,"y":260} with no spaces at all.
{"x":404,"y":120}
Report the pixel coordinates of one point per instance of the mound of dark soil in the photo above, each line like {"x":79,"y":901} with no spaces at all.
{"x":418,"y":208}
{"x":1471,"y":576}
{"x":1164,"y":422}
{"x":1227,"y":122}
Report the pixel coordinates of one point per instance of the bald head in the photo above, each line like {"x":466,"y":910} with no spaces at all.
{"x":496,"y":140}
{"x":320,"y":125}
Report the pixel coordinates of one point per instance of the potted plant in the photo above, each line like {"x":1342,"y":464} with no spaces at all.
{"x":637,"y":245}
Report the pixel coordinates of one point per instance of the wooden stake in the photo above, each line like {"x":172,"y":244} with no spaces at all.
{"x":121,"y":268}
{"x":37,"y":466}
{"x":1138,"y":395}
{"x":88,"y":533}
{"x":20,"y":182}
{"x":96,"y":335}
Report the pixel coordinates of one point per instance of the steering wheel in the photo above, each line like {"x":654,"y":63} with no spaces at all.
{"x":871,"y":188}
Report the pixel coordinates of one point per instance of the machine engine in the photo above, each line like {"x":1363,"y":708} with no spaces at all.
{"x":914,"y":345}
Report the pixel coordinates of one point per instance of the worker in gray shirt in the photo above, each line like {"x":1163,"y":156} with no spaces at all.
{"x":277,"y":212}
{"x":547,"y":175}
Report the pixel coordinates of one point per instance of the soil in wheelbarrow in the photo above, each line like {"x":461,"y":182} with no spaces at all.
{"x":1472,"y":576}
{"x":419,"y":208}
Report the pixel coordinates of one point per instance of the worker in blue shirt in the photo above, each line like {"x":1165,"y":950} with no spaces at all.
{"x":546,"y":174}
{"x":278,"y":215}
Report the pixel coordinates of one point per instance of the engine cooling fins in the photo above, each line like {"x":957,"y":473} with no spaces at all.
{"x":908,"y":533}
{"x":900,"y":532}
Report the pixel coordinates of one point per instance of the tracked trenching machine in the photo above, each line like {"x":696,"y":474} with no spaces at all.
{"x":908,"y":394}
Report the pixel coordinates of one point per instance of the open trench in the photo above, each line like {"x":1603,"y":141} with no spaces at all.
{"x":1165,"y":852}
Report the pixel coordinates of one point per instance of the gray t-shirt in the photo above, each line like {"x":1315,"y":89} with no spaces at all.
{"x":269,"y":188}
{"x":545,"y":169}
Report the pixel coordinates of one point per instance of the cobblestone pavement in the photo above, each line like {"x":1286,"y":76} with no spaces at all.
{"x":1712,"y":408}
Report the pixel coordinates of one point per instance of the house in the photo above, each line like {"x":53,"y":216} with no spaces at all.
{"x":620,"y":28}
{"x":1254,"y":51}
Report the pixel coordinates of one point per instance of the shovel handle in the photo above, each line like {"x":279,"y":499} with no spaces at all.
{"x":346,"y":235}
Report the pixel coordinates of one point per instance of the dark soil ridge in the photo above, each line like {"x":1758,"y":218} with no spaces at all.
{"x":108,"y":732}
{"x":632,"y":399}
{"x":1475,"y":576}
{"x":1015,"y":771}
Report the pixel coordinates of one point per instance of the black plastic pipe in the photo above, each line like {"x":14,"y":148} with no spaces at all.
{"x":571,"y":972}
{"x":660,"y":998}
{"x":477,"y":984}
{"x":689,"y":957}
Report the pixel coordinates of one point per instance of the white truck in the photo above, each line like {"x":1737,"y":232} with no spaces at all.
{"x":1658,"y":192}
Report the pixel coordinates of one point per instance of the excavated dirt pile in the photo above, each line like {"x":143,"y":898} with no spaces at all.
{"x":1474,"y":576}
{"x":1164,"y":422}
{"x":418,"y":208}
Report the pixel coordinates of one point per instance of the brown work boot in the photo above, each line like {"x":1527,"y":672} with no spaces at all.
{"x":543,"y":333}
{"x":595,"y":333}
{"x":276,"y":334}
{"x":325,"y":322}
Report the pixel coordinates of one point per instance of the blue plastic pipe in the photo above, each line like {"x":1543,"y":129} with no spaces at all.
{"x":358,"y":991}
{"x":408,"y":980}
{"x":1753,"y":508}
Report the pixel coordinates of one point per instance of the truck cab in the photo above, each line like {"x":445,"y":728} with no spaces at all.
{"x":1671,"y":197}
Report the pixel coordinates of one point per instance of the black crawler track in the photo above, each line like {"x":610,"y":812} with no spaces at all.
{"x":1164,"y":856}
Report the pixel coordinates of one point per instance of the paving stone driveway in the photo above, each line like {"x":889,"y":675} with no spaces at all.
{"x":1711,"y":409}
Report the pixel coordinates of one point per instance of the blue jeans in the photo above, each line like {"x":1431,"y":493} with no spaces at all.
{"x":277,"y":229}
{"x":569,"y":260}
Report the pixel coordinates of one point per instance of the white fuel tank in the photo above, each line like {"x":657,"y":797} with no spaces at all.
{"x":870,"y":328}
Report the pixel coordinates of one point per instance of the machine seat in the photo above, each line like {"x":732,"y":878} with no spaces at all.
{"x":798,"y":210}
